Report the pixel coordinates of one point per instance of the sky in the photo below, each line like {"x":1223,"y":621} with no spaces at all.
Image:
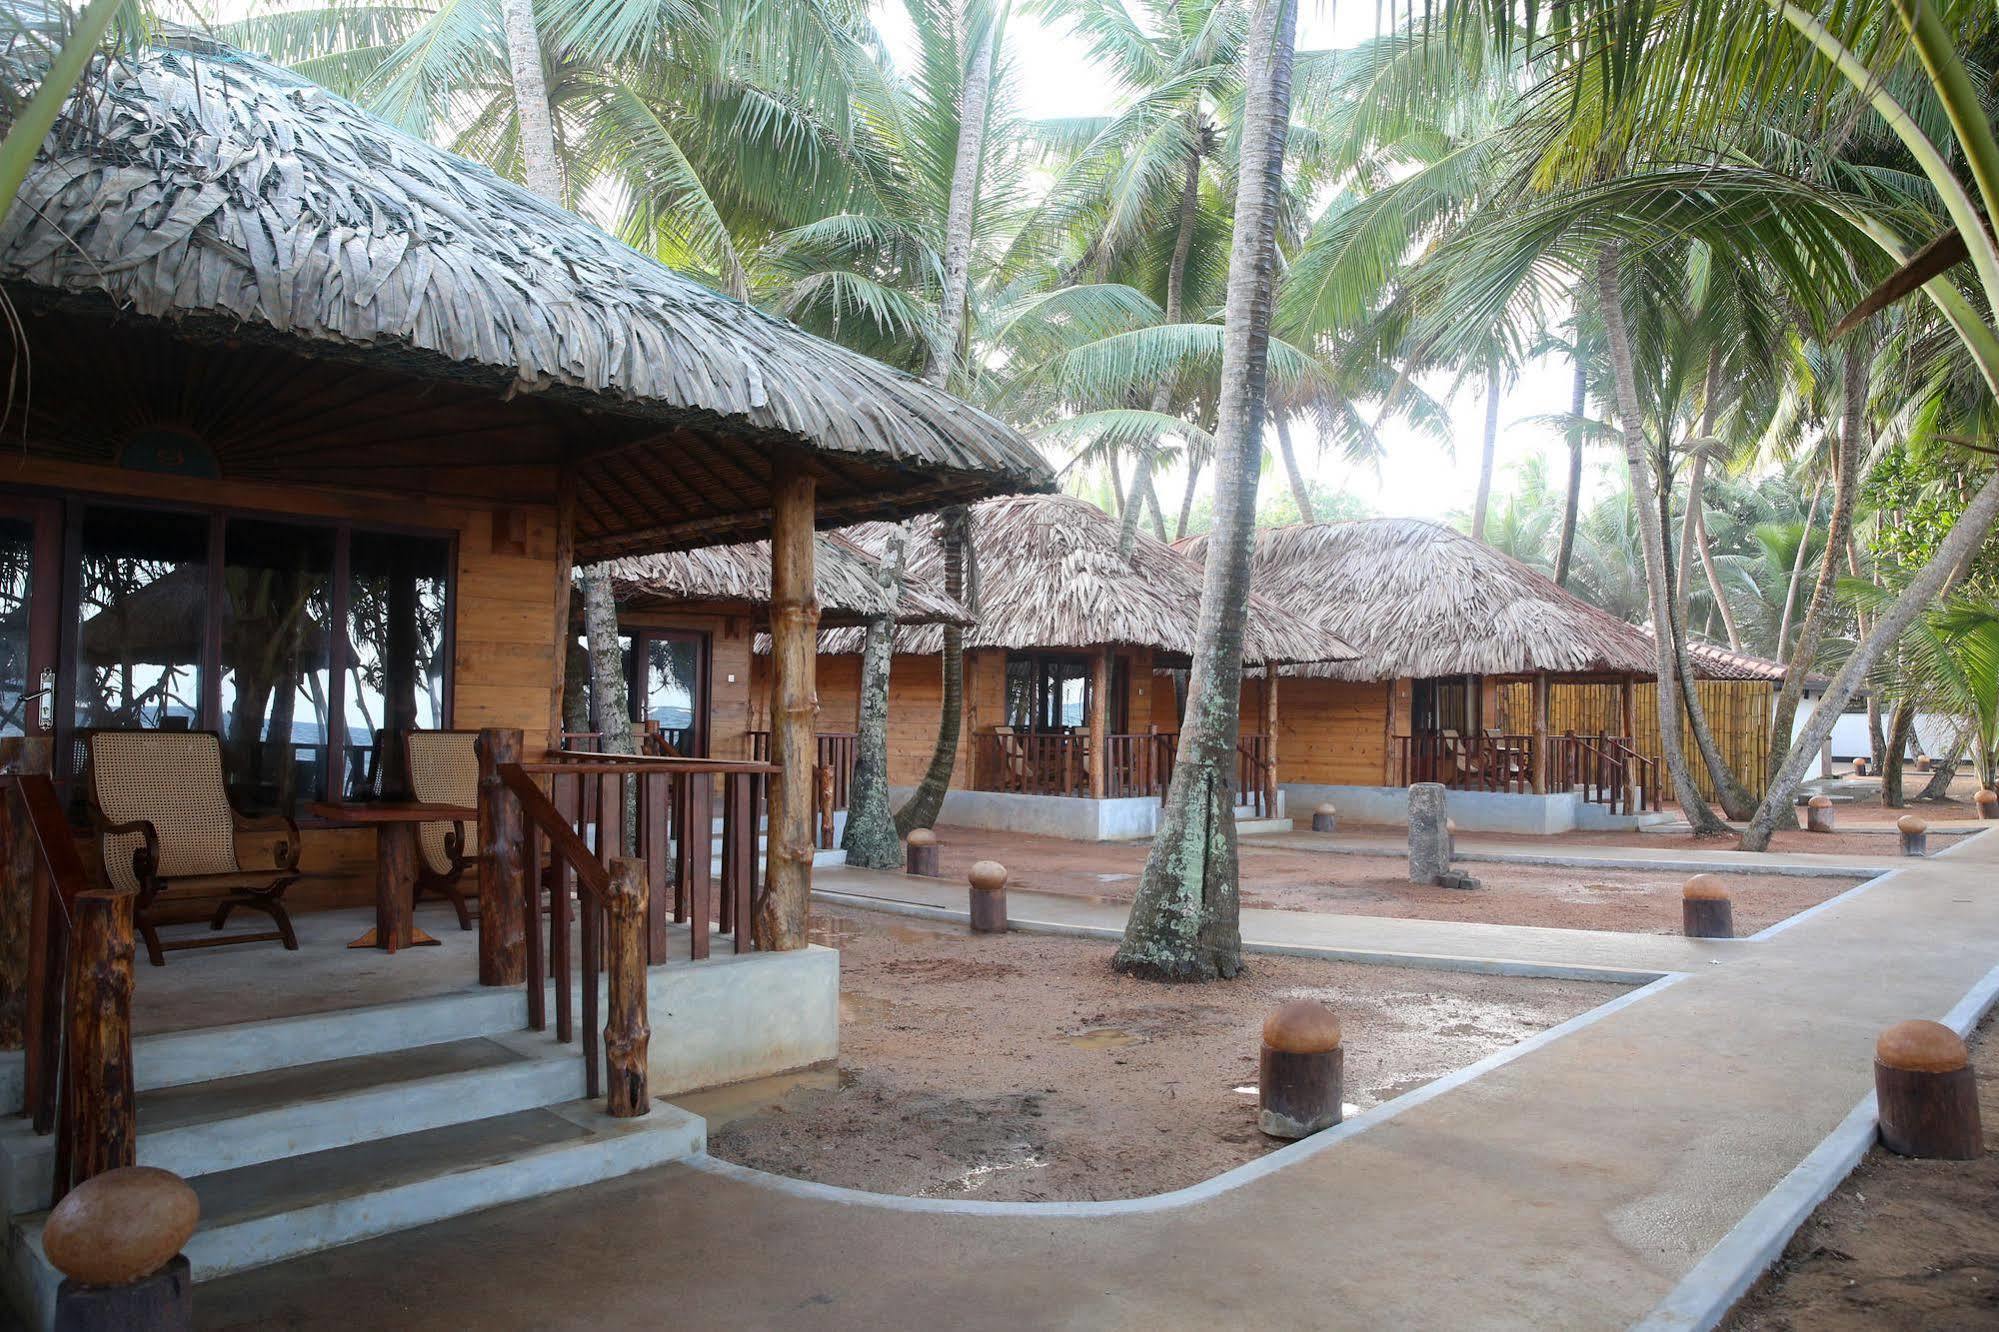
{"x":1417,"y":477}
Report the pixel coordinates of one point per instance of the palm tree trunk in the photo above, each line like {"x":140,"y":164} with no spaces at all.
{"x":1797,"y":574}
{"x":1131,"y":505}
{"x":1845,"y":488}
{"x":531,"y":109}
{"x":1735,"y":799}
{"x":1966,"y":534}
{"x":1299,"y":492}
{"x":1176,"y":312}
{"x":1485,"y":455}
{"x":1152,"y":508}
{"x":607,"y":662}
{"x":1578,"y":400}
{"x":1185,"y":921}
{"x":1892,"y":762}
{"x":1187,"y":498}
{"x":954,"y":524}
{"x":1714,"y":587}
{"x":927,"y":800}
{"x":1652,"y":538}
{"x":870,"y":839}
{"x":1946,"y":767}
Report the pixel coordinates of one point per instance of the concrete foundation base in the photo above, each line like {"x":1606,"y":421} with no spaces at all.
{"x":1473,"y":811}
{"x":1074,"y":818}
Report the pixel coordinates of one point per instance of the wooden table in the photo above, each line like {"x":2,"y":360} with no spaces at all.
{"x":396,"y":823}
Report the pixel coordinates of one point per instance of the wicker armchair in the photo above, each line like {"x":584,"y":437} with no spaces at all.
{"x":165,"y":825}
{"x":444,"y":770}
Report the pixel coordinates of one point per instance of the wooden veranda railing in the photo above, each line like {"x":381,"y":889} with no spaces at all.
{"x":77,"y":1079}
{"x":1058,"y":763}
{"x":1139,"y":765}
{"x":1256,"y":775}
{"x":618,"y":843}
{"x":832,"y":774}
{"x":1468,"y":762}
{"x":1607,"y":769}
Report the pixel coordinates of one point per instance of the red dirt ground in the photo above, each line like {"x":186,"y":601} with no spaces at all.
{"x":1022,"y":1067}
{"x":1631,"y":901}
{"x":1901,"y":1244}
{"x":1850,"y":841}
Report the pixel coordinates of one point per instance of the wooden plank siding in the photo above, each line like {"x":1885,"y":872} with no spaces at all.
{"x":503,"y":619}
{"x":1330,"y":731}
{"x":1738,"y":711}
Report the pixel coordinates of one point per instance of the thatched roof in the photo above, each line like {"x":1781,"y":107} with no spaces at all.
{"x":1050,"y":576}
{"x":1419,"y":599}
{"x":247,"y":211}
{"x":844,"y":580}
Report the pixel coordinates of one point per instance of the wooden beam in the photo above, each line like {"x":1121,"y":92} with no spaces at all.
{"x":1100,"y":704}
{"x":794,"y":630}
{"x":1540,"y":757}
{"x":1270,"y":736}
{"x":504,"y":881}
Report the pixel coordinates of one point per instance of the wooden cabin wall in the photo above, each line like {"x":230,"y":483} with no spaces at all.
{"x":1738,"y":712}
{"x":1333,"y":732}
{"x":503,"y":627}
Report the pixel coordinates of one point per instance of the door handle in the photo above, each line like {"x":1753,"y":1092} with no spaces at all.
{"x":46,"y":708}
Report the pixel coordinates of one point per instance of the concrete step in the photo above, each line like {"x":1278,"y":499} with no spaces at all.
{"x":1251,"y":827}
{"x":266,"y":1213}
{"x":225,"y":1124}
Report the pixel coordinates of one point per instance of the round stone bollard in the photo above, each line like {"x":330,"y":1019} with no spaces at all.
{"x":988,"y":897}
{"x":1987,"y":801}
{"x":919,"y":853}
{"x":1325,"y":818}
{"x":1924,"y":763}
{"x":1818,"y":814}
{"x":1915,"y":835}
{"x":1706,"y":911}
{"x":116,"y":1238}
{"x":1927,"y":1093}
{"x":1301,"y":1072}
{"x":1860,"y":766}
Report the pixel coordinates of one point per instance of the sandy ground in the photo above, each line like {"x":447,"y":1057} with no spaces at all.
{"x":1901,"y":1244}
{"x":1631,"y":901}
{"x":1021,"y":1067}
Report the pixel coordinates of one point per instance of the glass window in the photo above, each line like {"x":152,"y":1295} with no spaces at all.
{"x":396,"y":614}
{"x":17,"y":555}
{"x":142,"y":619}
{"x":673,"y":689}
{"x":277,"y":582}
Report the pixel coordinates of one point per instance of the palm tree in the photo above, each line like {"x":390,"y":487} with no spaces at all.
{"x":1184,"y":922}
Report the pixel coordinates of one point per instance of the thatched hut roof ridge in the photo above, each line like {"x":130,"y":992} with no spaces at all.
{"x":235,"y":198}
{"x":846,"y":583}
{"x":1050,"y":576}
{"x":1418,"y":599}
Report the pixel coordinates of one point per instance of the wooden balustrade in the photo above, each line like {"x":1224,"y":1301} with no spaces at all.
{"x":1468,"y":762}
{"x":603,"y":836}
{"x":833,"y":775}
{"x":77,"y":1075}
{"x":1605,"y":769}
{"x":1140,"y":765}
{"x":1256,"y":775}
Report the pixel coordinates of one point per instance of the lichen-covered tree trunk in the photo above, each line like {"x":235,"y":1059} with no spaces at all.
{"x":1966,"y":534}
{"x":1658,"y":580}
{"x":1900,"y":723}
{"x":1735,"y":798}
{"x":1301,"y":494}
{"x":1185,"y":922}
{"x":871,"y":840}
{"x":607,"y":662}
{"x":926,"y":802}
{"x":1946,"y":767}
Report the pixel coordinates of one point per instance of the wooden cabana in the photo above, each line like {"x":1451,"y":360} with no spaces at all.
{"x":259,"y":334}
{"x":1062,"y":663}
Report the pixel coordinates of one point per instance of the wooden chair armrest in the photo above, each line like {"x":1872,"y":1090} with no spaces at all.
{"x":284,"y":852}
{"x":454,"y":845}
{"x":146,"y":857}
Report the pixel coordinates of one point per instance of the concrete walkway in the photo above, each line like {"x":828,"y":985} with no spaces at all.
{"x":1803,"y":864}
{"x":1571,"y":1183}
{"x":1512,"y":950}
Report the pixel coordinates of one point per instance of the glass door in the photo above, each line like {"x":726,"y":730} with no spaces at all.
{"x":669,"y":685}
{"x":30,"y":599}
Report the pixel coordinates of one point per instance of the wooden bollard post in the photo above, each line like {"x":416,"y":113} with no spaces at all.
{"x":116,"y":1238}
{"x":1301,"y":1071}
{"x":1924,"y":763}
{"x":988,"y":879}
{"x":1926,"y":1093}
{"x":919,"y":854}
{"x":1705,"y":909}
{"x":1818,"y":814}
{"x":1987,"y":801}
{"x":1915,"y":835}
{"x":627,"y":1032}
{"x":1860,"y":766}
{"x":1325,"y":818}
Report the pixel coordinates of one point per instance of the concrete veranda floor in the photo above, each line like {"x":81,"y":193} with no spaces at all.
{"x":1570,"y":1186}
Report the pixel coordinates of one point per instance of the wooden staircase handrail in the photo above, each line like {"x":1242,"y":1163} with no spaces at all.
{"x":562,"y":839}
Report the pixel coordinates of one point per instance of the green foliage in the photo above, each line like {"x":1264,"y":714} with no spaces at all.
{"x":1918,"y":499}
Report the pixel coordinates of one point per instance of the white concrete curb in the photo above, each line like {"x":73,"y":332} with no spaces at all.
{"x":1707,"y":1293}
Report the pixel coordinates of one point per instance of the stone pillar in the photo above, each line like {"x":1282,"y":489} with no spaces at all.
{"x":1429,"y":841}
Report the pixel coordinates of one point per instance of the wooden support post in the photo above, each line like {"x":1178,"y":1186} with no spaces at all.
{"x":919,"y":853}
{"x":20,"y":874}
{"x":1818,"y":814}
{"x":1539,"y":757}
{"x":1270,"y":739}
{"x":627,"y":1033}
{"x":503,"y":879}
{"x":1915,"y":835}
{"x":794,"y":633}
{"x":1300,"y":1073}
{"x":565,"y":560}
{"x":1927,"y":1093}
{"x":1100,"y":708}
{"x":1401,"y":703}
{"x":99,"y":1115}
{"x":822,"y":786}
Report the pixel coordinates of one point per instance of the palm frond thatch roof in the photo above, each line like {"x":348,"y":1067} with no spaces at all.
{"x":1049,"y":575}
{"x":237,"y":204}
{"x":1418,"y":599}
{"x":845,"y":581}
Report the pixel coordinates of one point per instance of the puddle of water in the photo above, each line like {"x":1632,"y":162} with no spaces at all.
{"x":1115,"y":878}
{"x":1103,"y":1038}
{"x":759,"y":1096}
{"x":836,"y":931}
{"x":854,"y":1007}
{"x":1020,"y":1156}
